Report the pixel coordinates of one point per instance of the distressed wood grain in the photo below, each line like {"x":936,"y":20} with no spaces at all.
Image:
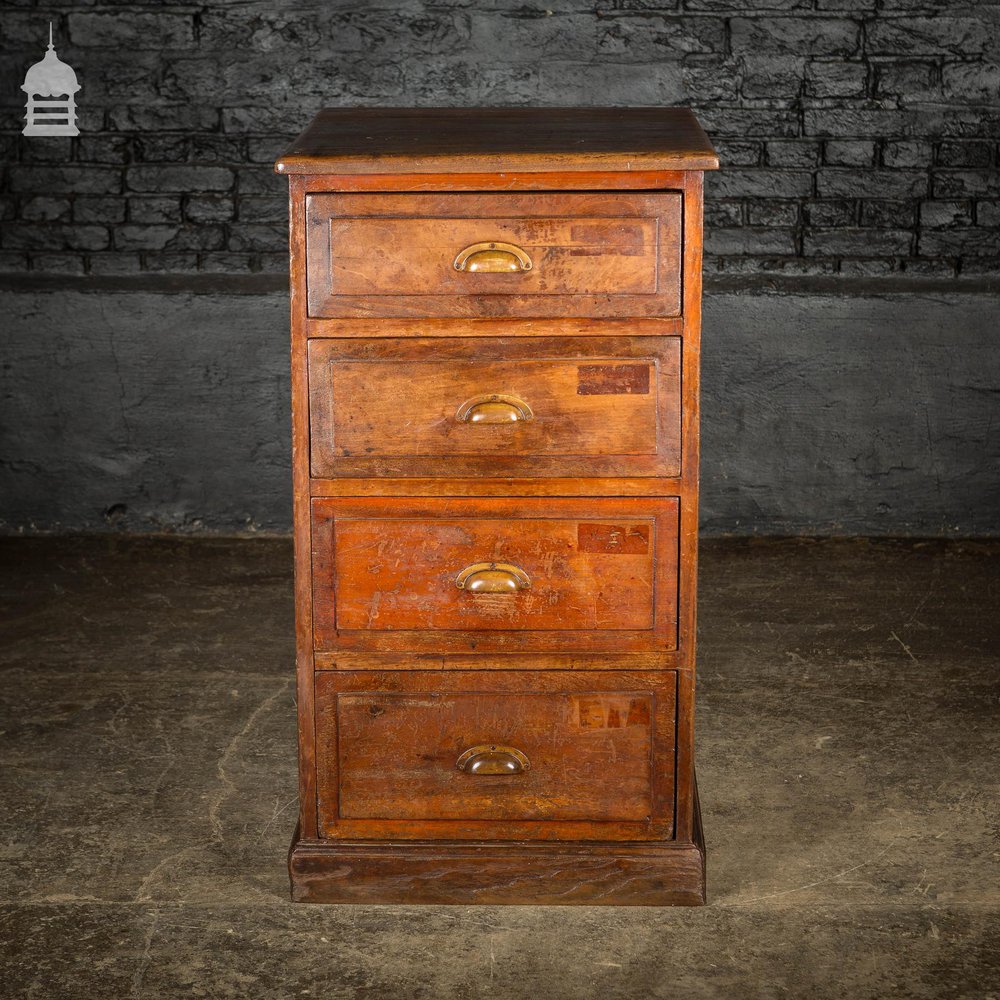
{"x":385,"y":569}
{"x":600,"y":748}
{"x":591,"y":254}
{"x":596,"y":406}
{"x":491,"y":140}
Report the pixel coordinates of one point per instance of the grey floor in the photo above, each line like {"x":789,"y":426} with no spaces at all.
{"x":848,"y":764}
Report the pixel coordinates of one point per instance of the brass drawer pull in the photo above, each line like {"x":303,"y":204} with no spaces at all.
{"x":492,"y":759}
{"x":493,"y":578}
{"x":494,"y":408}
{"x":495,"y":257}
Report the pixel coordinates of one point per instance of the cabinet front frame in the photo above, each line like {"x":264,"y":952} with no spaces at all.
{"x":691,"y":183}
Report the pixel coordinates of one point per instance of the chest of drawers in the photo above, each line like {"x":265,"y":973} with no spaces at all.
{"x":495,"y":335}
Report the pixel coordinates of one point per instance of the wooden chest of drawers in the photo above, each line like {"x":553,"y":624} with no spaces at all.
{"x":495,"y":337}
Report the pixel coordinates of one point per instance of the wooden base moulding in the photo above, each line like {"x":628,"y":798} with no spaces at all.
{"x":497,"y":873}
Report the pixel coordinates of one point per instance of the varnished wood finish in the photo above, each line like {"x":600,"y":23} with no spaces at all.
{"x":591,"y":741}
{"x":345,"y":659}
{"x":603,"y":574}
{"x":591,"y":254}
{"x":490,"y":140}
{"x":302,"y":517}
{"x":397,"y":490}
{"x":688,"y":575}
{"x":504,"y":180}
{"x":597,"y":406}
{"x":488,"y":486}
{"x":659,"y":873}
{"x":469,"y":327}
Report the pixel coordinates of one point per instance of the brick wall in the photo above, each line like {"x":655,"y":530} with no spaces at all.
{"x":858,"y":137}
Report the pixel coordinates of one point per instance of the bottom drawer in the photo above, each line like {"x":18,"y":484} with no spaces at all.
{"x":505,"y":755}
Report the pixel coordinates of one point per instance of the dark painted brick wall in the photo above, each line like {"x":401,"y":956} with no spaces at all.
{"x":858,"y":136}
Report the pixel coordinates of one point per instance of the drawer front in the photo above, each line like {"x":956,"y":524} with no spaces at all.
{"x":528,"y":407}
{"x":483,"y":254}
{"x":486,"y":575}
{"x":544,"y":756}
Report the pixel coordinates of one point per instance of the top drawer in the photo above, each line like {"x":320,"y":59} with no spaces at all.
{"x":464,"y":255}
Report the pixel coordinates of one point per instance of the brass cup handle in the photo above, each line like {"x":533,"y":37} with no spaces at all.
{"x":493,"y":408}
{"x":491,"y":758}
{"x":492,"y":257}
{"x":493,"y":578}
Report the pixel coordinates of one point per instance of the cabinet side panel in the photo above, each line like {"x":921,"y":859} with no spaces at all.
{"x":688,"y":555}
{"x":300,"y":509}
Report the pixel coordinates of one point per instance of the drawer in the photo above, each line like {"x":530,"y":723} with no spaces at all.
{"x":488,"y":575}
{"x":520,"y":407}
{"x":488,"y":254}
{"x":512,"y":754}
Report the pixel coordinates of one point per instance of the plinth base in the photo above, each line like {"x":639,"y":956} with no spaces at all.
{"x":497,"y":872}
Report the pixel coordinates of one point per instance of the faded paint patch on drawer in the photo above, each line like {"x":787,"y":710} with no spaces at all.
{"x":612,"y":380}
{"x":600,"y":711}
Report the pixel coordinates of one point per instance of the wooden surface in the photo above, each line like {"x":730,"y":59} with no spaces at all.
{"x":592,"y":499}
{"x":392,"y":741}
{"x":400,"y":574}
{"x":599,"y":406}
{"x":478,"y":326}
{"x":566,"y":659}
{"x":688,"y":566}
{"x":603,"y":574}
{"x":665,"y":873}
{"x":304,"y":688}
{"x":600,"y":747}
{"x":507,"y":180}
{"x":505,"y":486}
{"x":591,"y":254}
{"x":389,"y":140}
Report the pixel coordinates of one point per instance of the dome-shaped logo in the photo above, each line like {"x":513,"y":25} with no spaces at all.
{"x":50,"y":85}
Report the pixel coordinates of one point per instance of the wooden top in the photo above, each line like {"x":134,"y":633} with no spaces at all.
{"x":421,"y":140}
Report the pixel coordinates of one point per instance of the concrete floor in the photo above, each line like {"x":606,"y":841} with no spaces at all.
{"x":848,"y":763}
